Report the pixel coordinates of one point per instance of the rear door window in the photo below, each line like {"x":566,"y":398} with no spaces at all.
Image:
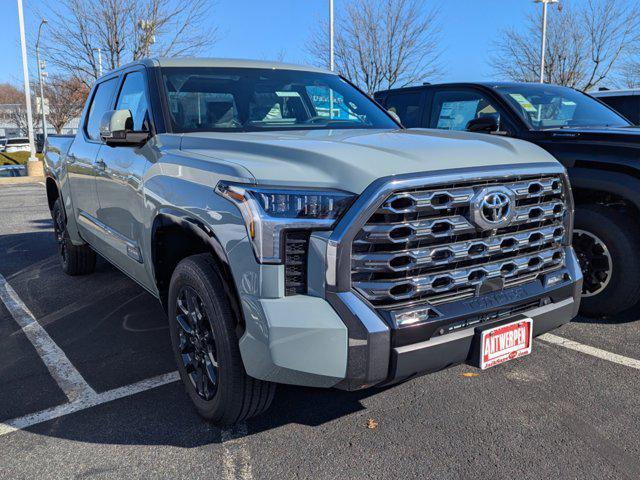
{"x":407,"y":106}
{"x":626,"y":105}
{"x":101,"y":103}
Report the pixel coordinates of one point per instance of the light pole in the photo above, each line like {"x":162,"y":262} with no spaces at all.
{"x":44,"y":119}
{"x":99,"y":50}
{"x":544,"y":3}
{"x":34,"y":167}
{"x":331,"y":61}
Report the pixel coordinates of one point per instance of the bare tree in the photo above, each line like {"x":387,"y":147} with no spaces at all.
{"x":124,"y":30}
{"x":17,"y":115}
{"x":10,"y":94}
{"x":382,"y":44}
{"x":65,"y":98}
{"x":586,"y":42}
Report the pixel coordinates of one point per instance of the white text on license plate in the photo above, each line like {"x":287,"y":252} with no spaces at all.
{"x":506,"y":342}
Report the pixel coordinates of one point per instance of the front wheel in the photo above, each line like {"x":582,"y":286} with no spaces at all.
{"x":606,"y":242}
{"x":205,"y":345}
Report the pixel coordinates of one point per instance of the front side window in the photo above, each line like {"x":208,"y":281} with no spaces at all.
{"x":100,"y":104}
{"x":406,"y":106}
{"x":549,"y":106}
{"x":133,"y":98}
{"x":453,"y":110}
{"x":253,"y":99}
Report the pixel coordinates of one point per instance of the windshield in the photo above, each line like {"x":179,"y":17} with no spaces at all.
{"x":549,"y":106}
{"x":251,"y":99}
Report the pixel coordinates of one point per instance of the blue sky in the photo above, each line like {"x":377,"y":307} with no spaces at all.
{"x":264,"y":28}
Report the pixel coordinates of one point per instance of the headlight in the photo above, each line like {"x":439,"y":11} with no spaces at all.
{"x":269,"y":211}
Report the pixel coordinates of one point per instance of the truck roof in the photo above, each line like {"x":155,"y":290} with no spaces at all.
{"x":220,"y":62}
{"x":615,"y":93}
{"x":460,"y":84}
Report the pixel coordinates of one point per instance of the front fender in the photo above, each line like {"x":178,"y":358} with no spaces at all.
{"x":616,"y":183}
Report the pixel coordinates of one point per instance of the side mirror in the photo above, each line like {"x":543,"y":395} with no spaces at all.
{"x":488,"y":124}
{"x":395,"y":116}
{"x":116,"y":130}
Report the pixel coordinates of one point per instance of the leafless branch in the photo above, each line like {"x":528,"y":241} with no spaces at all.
{"x":124,"y":30}
{"x":385,"y":44}
{"x":586,"y":42}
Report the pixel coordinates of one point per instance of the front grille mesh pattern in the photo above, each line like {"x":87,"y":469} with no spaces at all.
{"x":422,"y":245}
{"x":296,"y":246}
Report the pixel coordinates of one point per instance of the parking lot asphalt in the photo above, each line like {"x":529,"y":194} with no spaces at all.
{"x":558,"y":413}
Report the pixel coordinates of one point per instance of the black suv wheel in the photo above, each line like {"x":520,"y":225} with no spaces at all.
{"x":606,"y":242}
{"x":205,"y":345}
{"x":75,"y":259}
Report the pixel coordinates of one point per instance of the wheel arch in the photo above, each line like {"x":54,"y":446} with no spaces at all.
{"x":175,"y":235}
{"x":606,"y":187}
{"x":53,"y":191}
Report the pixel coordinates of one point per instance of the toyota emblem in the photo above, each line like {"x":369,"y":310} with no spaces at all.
{"x":493,"y":207}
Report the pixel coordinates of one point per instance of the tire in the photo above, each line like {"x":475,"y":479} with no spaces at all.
{"x":208,"y":357}
{"x":606,"y":234}
{"x":75,"y":259}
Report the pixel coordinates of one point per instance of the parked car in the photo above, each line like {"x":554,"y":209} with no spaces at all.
{"x":12,"y":171}
{"x":625,"y":102}
{"x":17,"y":144}
{"x":597,"y":146}
{"x":39,"y":142}
{"x":295,"y":233}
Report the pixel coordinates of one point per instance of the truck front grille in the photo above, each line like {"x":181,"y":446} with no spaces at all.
{"x":424,"y":244}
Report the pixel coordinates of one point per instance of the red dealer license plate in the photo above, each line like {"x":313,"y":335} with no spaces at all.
{"x":505,"y":342}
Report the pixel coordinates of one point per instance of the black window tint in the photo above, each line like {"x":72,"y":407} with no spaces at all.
{"x":452,"y":110}
{"x":628,"y":106}
{"x":101,"y":103}
{"x":406,"y":106}
{"x":133,"y":98}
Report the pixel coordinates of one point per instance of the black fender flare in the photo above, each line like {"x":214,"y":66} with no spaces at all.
{"x":620,"y":184}
{"x":184,"y":220}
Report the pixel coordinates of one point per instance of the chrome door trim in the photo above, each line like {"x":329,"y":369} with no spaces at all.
{"x":124,"y":244}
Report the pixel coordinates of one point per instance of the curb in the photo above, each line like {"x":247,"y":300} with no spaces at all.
{"x":20,"y":180}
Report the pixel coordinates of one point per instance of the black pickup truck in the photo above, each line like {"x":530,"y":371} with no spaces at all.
{"x":599,"y":148}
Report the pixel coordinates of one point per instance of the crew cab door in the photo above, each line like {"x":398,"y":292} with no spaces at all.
{"x":119,"y":183}
{"x":80,"y":158}
{"x":452,"y":108}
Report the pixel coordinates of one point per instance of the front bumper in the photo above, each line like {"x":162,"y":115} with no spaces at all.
{"x":378,"y":357}
{"x":342,"y":342}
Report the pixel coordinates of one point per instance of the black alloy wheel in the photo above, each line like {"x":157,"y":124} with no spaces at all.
{"x":606,"y":240}
{"x":74,"y":259}
{"x":204,"y":331}
{"x":595,"y":262}
{"x":59,"y":232}
{"x":197,"y":344}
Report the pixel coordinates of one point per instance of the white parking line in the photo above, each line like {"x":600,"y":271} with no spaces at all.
{"x":593,"y":351}
{"x":86,"y":402}
{"x":236,"y":461}
{"x":67,"y":377}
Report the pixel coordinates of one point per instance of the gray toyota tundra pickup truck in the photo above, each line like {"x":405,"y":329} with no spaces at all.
{"x":295,"y":233}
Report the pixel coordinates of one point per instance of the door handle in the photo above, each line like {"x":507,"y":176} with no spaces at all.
{"x":101,"y":164}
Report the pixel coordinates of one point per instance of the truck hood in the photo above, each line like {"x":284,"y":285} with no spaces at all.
{"x":352,"y":159}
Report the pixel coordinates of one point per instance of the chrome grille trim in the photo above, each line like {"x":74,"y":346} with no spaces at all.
{"x":442,"y":255}
{"x":422,"y":200}
{"x":545,"y":260}
{"x":420,"y":242}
